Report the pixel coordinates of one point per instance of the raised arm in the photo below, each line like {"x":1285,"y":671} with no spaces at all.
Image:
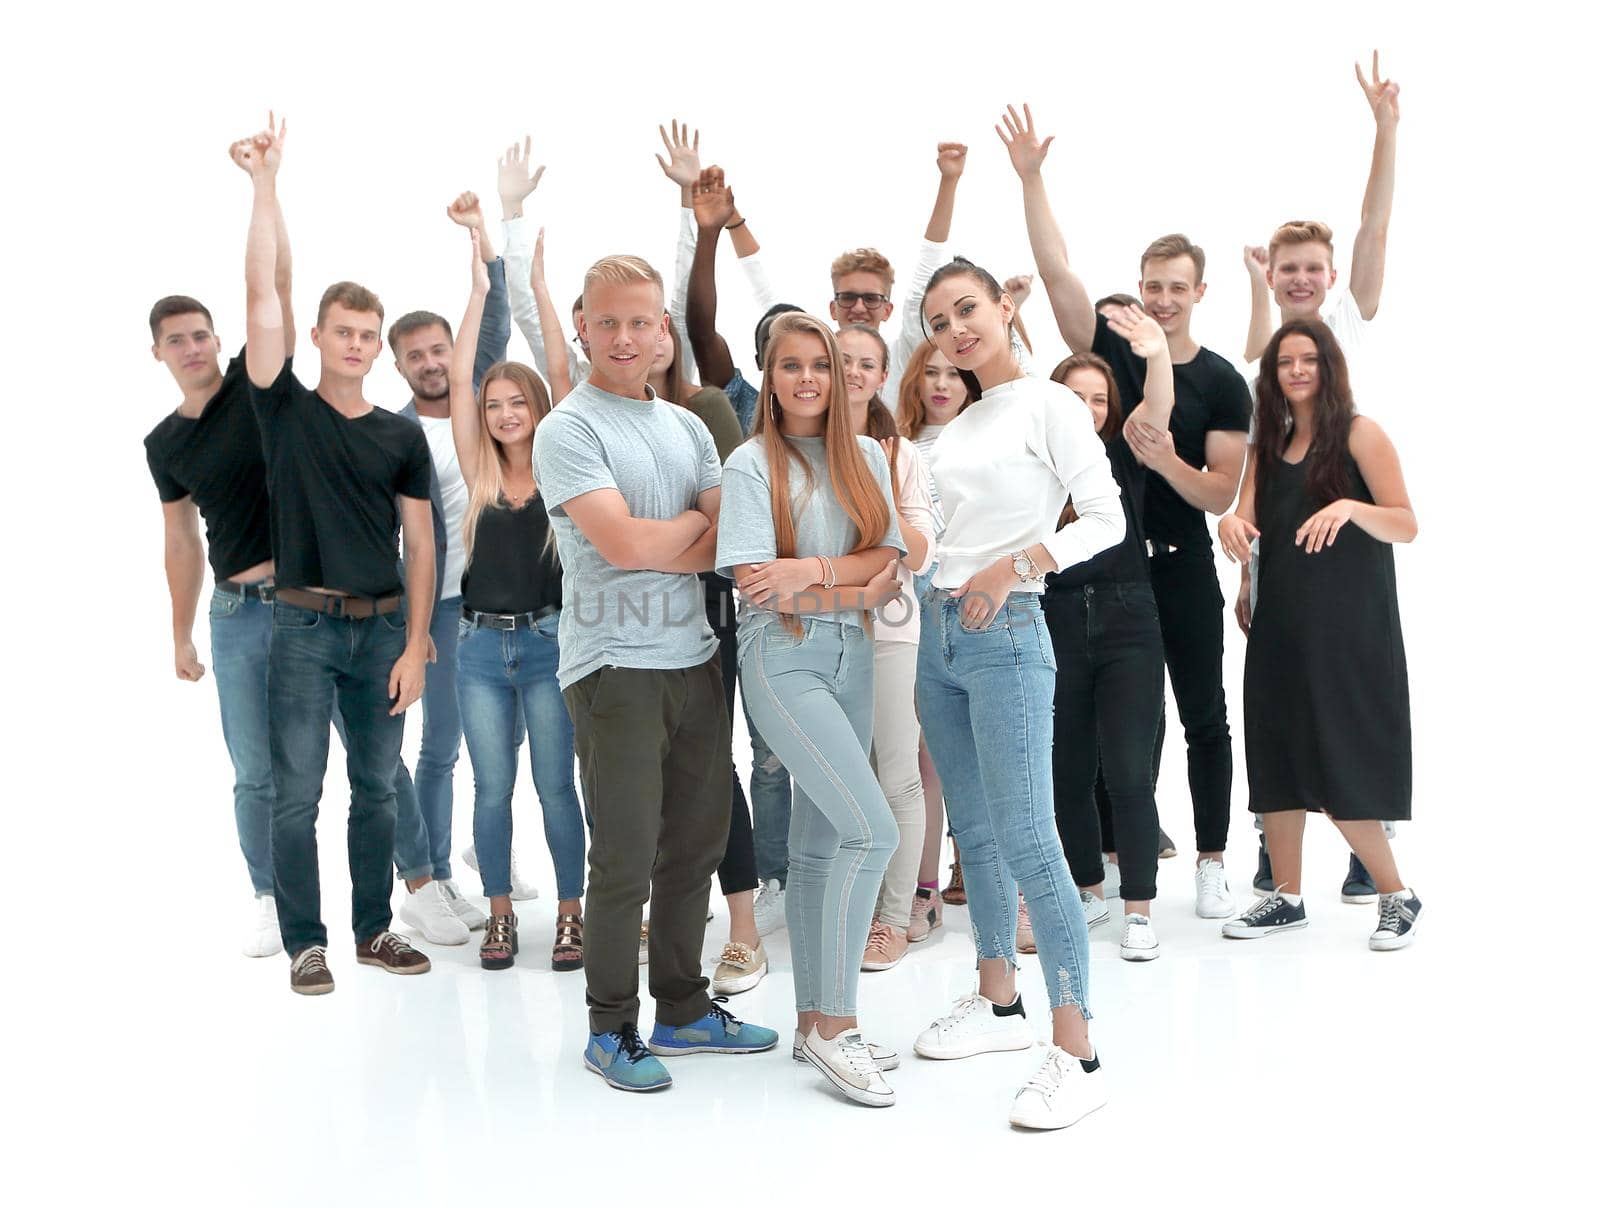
{"x":516,"y":183}
{"x":951,"y":159}
{"x":1262,"y":326}
{"x":555,"y":342}
{"x":1372,"y":238}
{"x":1074,"y":309}
{"x":466,"y":426}
{"x":495,"y":333}
{"x":713,"y":208}
{"x":1147,"y":340}
{"x":682,"y":167}
{"x":266,"y":344}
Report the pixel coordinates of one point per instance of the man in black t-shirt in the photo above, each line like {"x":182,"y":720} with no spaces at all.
{"x":342,"y":477}
{"x":206,"y":461}
{"x":1196,"y":464}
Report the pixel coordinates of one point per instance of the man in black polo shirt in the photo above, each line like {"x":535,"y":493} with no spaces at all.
{"x":1197,"y":465}
{"x":342,"y":477}
{"x":206,"y":461}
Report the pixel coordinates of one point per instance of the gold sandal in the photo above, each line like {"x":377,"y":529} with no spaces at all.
{"x":568,"y":952}
{"x":499,"y":947}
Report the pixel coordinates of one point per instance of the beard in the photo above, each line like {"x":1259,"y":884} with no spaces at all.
{"x":432,"y":389}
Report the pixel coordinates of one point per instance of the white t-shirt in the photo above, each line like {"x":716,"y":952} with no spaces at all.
{"x":453,"y":491}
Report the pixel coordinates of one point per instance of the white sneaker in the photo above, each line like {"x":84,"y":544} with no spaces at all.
{"x":427,"y":911}
{"x":521,"y":891}
{"x":263,"y":938}
{"x":1064,"y":1091}
{"x":1211,"y":897}
{"x":846,"y":1062}
{"x":971,"y":1028}
{"x":769,"y":907}
{"x":885,"y":1057}
{"x":1139,"y":941}
{"x":1095,"y":910}
{"x":464,"y":910}
{"x":1113,"y":882}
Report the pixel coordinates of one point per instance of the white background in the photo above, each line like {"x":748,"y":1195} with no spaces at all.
{"x":139,"y":1041}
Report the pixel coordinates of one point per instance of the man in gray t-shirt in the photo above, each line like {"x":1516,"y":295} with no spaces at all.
{"x":632,"y":484}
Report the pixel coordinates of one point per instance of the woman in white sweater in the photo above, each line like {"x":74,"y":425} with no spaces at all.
{"x":1005,"y":467}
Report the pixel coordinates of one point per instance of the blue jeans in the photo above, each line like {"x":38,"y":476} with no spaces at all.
{"x":319,"y":663}
{"x":811,"y":696}
{"x":503,"y":675}
{"x":985,"y":697}
{"x":771,"y":803}
{"x":423,"y":812}
{"x":241,"y":632}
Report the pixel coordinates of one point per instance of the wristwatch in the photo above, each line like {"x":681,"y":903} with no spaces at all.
{"x":1025,"y":568}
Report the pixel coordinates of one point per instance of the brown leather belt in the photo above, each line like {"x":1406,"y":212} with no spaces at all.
{"x":355,"y":608}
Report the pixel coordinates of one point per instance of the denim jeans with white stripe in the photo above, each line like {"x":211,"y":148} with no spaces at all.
{"x":811,"y":697}
{"x":986,"y":698}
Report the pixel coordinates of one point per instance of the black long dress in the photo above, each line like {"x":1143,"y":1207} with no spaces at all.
{"x":1327,"y":708}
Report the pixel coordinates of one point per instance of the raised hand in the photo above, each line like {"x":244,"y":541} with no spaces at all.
{"x":465,"y":211}
{"x":683,"y":165}
{"x":1236,"y":534}
{"x":1383,"y":95}
{"x":1019,"y":287}
{"x":952,"y":159}
{"x":1255,"y":263}
{"x":713,"y":200}
{"x":536,"y":277}
{"x":514,"y":181}
{"x":1022,"y":142}
{"x":1144,"y":334}
{"x":262,"y":152}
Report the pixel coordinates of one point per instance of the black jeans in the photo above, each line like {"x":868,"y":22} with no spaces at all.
{"x":1190,"y":602}
{"x":737,"y":872}
{"x":1107,"y":639}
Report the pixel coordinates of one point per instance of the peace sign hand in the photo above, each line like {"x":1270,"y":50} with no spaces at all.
{"x":1383,"y":95}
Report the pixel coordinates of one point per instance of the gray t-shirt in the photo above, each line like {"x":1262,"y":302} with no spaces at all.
{"x":660,"y":457}
{"x":821,"y":526}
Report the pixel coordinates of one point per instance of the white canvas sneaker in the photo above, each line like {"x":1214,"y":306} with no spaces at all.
{"x":1139,"y":941}
{"x":769,"y":907}
{"x":846,"y":1062}
{"x":263,"y":938}
{"x":1211,"y":897}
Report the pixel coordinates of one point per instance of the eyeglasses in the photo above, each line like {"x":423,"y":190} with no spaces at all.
{"x":845,"y":299}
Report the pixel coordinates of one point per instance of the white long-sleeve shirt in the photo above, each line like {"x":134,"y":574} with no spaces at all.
{"x":518,"y":254}
{"x":1005,"y":467}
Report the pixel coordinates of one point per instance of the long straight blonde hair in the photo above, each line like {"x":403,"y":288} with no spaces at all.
{"x":849,"y":475}
{"x":488,"y":476}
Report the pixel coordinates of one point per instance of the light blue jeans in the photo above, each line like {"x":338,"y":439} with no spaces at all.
{"x":503,"y":675}
{"x":423,"y":811}
{"x":811,"y":698}
{"x":241,"y":633}
{"x":986,"y":698}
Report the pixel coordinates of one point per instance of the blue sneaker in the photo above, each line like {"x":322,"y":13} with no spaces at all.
{"x":714,"y":1032}
{"x":622,"y":1060}
{"x":1358,"y":886}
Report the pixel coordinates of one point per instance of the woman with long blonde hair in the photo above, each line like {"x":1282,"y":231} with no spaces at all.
{"x":510,"y":607}
{"x":809,"y":533}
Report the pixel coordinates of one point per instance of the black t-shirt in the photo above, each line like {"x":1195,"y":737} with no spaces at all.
{"x":216,"y":461}
{"x":512,"y":570}
{"x":1210,"y":397}
{"x":1127,"y":561}
{"x":332,"y":482}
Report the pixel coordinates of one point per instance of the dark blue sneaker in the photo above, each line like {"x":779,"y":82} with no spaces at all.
{"x":622,"y":1060}
{"x":1267,"y":917}
{"x":1262,"y":885}
{"x":714,"y":1032}
{"x":1358,"y":886}
{"x":1397,"y":921}
{"x":1165,"y":848}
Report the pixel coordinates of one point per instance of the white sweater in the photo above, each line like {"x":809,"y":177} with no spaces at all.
{"x":1004,"y":468}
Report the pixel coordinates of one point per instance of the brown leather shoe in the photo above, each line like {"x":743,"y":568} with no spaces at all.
{"x":308,"y":972}
{"x":392,"y":954}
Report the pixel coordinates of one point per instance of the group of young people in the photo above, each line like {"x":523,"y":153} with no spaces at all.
{"x":942,"y":582}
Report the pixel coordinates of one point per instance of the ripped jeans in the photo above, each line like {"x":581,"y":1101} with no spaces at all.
{"x":986,"y":698}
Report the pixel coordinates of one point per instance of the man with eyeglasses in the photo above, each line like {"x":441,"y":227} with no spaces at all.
{"x":863,"y":278}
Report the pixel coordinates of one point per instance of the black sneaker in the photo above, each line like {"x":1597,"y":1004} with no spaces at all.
{"x":1262,"y":886}
{"x":1397,"y":921}
{"x":1358,"y":886}
{"x":1166,"y":849}
{"x":1269,"y":916}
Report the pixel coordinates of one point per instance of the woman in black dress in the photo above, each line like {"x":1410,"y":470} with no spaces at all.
{"x":1327,"y":715}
